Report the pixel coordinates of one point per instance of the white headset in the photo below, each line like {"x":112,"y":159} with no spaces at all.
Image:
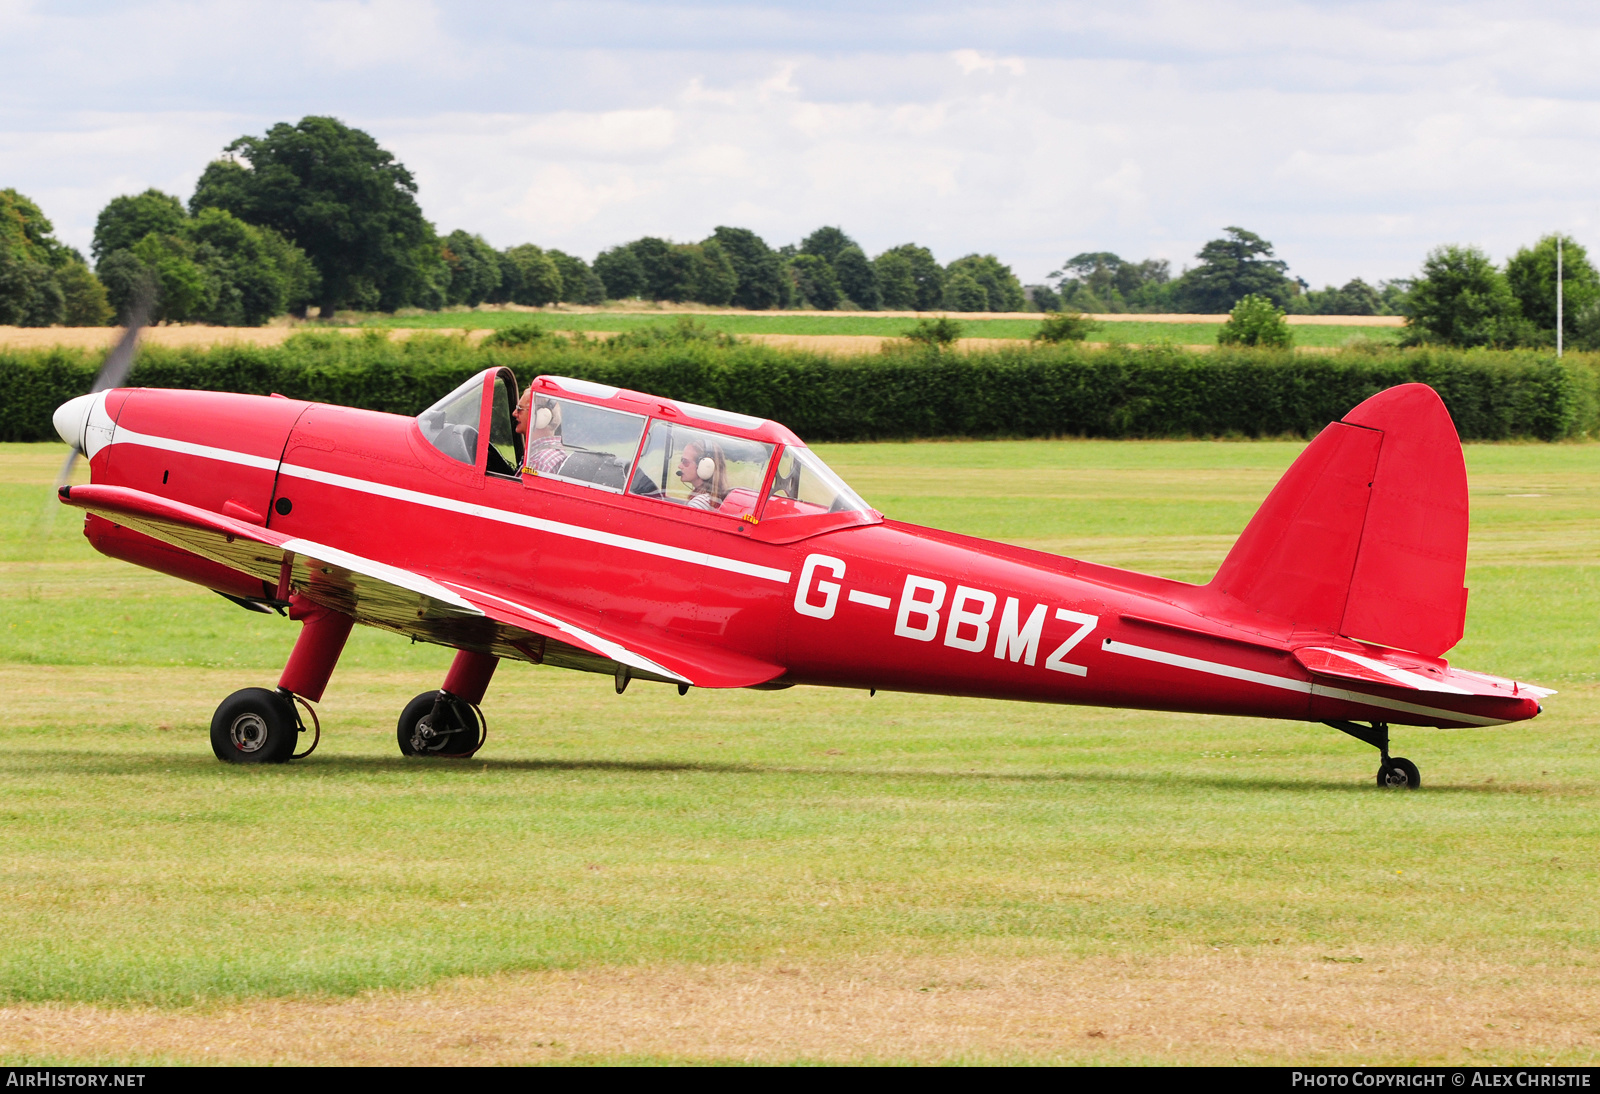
{"x":542,"y":417}
{"x":705,"y":467}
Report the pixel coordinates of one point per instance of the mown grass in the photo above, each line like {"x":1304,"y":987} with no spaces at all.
{"x":833,"y":323}
{"x":718,"y":827}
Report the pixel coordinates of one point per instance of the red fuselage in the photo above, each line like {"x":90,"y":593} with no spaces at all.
{"x":841,"y":600}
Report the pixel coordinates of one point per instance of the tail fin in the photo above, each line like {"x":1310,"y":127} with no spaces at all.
{"x":1366,"y":534}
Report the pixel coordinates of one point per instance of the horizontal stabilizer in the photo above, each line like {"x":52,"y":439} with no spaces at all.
{"x":1374,"y":667}
{"x":1368,"y":670}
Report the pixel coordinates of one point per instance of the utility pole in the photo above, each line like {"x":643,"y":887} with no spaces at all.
{"x":1558,"y":294}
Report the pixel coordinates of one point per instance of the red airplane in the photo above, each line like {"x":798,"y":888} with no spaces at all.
{"x":647,"y":538}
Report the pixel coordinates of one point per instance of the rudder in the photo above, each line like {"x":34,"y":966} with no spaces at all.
{"x":1366,"y":533}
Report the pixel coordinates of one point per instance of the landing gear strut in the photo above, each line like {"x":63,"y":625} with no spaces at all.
{"x":447,"y":723}
{"x":1394,"y":772}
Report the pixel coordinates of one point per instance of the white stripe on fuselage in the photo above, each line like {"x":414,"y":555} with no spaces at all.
{"x":1287,"y":683}
{"x":434,"y":501}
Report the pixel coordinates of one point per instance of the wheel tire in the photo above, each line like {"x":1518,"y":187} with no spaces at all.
{"x":254,"y":726}
{"x":459,"y":738}
{"x":1399,"y":774}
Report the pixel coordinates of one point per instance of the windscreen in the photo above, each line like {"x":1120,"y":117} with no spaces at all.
{"x":805,"y":486}
{"x":451,"y":424}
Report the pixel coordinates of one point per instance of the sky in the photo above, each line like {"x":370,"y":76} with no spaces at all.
{"x":1354,"y":136}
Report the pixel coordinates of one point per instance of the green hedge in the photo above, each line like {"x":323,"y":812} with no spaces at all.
{"x":1030,"y":391}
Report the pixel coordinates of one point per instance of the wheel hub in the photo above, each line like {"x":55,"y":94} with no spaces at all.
{"x":248,"y":732}
{"x":427,"y":739}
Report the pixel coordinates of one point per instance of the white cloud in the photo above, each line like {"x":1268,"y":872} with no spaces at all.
{"x":971,"y":61}
{"x":362,"y":34}
{"x":1354,"y":135}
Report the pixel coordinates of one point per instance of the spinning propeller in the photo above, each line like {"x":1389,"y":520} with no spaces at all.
{"x":72,"y":416}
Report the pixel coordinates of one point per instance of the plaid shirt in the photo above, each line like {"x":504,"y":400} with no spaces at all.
{"x":545,"y":455}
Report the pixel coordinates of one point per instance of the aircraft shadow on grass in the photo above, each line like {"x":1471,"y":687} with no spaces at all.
{"x":107,"y":765}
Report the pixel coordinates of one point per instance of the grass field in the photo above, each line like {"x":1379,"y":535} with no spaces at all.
{"x":804,"y":875}
{"x":834,"y":323}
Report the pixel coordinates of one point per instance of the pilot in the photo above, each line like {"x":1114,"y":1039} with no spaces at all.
{"x":539,"y":420}
{"x":704,"y":470}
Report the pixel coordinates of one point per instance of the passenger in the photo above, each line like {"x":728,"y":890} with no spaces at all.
{"x":705,"y":472}
{"x":539,"y":422}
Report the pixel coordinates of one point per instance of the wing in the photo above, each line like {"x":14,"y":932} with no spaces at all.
{"x":419,"y":604}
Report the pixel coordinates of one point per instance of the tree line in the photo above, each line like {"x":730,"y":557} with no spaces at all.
{"x":318,"y":215}
{"x":1238,"y":265}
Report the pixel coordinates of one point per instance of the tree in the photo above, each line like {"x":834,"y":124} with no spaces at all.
{"x":621,"y":272}
{"x":940,"y":333}
{"x":1000,"y":285}
{"x":1042,"y":298}
{"x":1588,"y":329}
{"x":1089,"y":281}
{"x":258,"y":273}
{"x":529,"y":276}
{"x":816,"y":281}
{"x":30,"y":294}
{"x":1531,"y":275}
{"x":924,"y":272}
{"x":668,"y":271}
{"x":474,"y":269}
{"x":187,"y":291}
{"x":43,"y":281}
{"x":712,"y":279}
{"x":857,"y":278}
{"x":826,"y":243}
{"x":349,"y":204}
{"x":301,"y":282}
{"x":579,"y":283}
{"x":84,"y":302}
{"x":1065,"y":327}
{"x":208,"y":268}
{"x":963,"y":293}
{"x":1355,"y":298}
{"x":1462,"y":300}
{"x":1100,"y":281}
{"x":897,"y":286}
{"x":1396,"y":296}
{"x":1255,"y":321}
{"x":1231,"y":269}
{"x":759,"y":270}
{"x":126,"y":280}
{"x":127,"y":219}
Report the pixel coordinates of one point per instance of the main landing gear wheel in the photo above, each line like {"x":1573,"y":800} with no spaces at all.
{"x":254,"y":726}
{"x":456,"y":733}
{"x":1399,"y":773}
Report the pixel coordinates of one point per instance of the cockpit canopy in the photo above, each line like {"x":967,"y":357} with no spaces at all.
{"x":453,"y":425}
{"x":638,"y":445}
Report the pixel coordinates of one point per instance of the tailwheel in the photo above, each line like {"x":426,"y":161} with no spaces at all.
{"x":1399,"y":773}
{"x":442,"y":725}
{"x":255,"y":726}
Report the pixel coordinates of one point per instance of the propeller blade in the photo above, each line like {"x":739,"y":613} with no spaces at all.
{"x":66,"y":470}
{"x":115,"y":368}
{"x":120,"y":359}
